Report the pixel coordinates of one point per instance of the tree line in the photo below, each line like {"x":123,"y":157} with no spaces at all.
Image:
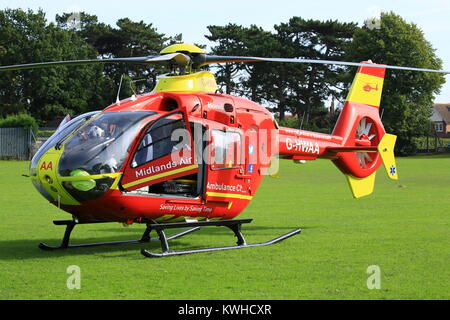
{"x":299,"y":94}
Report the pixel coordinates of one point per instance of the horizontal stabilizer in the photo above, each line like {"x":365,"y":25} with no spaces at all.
{"x":361,"y":187}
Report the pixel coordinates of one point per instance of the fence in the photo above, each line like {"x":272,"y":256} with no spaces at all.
{"x":15,"y":143}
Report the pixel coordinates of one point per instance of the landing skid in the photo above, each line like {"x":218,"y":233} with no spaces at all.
{"x":70,"y":225}
{"x":234,"y":225}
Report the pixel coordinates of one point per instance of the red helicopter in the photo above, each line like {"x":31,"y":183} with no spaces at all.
{"x":187,"y":156}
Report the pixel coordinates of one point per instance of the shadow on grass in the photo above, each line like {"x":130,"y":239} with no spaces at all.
{"x":220,"y":230}
{"x":430,"y":156}
{"x":28,"y":249}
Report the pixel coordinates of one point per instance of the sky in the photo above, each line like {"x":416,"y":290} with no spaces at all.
{"x":191,"y":18}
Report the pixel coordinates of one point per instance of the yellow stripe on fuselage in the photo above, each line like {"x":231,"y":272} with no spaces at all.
{"x":159,"y":176}
{"x":229,"y":195}
{"x":90,"y":177}
{"x":366,"y":89}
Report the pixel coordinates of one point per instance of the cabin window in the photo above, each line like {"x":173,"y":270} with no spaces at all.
{"x":158,"y":140}
{"x":164,"y":163}
{"x":226,"y":150}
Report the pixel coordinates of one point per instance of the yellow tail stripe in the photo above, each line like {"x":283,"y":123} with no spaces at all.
{"x":159,"y":176}
{"x":366,"y":89}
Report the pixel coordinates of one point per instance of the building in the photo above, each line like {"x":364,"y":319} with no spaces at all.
{"x":441,"y":119}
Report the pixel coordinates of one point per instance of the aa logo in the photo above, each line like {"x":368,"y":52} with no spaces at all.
{"x":46,"y":166}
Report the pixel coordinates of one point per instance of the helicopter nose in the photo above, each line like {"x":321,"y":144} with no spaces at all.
{"x":46,"y":179}
{"x":72,"y":189}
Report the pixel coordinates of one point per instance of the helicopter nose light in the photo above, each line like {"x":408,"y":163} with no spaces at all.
{"x":48,"y":179}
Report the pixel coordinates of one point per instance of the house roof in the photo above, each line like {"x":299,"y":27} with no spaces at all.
{"x":444,"y":110}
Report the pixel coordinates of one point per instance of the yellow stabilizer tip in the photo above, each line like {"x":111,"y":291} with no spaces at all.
{"x":361,"y":187}
{"x":386,"y":150}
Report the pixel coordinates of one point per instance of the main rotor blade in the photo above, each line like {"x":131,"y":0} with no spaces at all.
{"x":209,"y":59}
{"x":179,"y":58}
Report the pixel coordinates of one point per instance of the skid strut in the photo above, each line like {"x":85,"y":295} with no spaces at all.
{"x":234,"y":225}
{"x":70,"y":225}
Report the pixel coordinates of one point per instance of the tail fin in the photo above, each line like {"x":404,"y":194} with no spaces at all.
{"x":365,"y":142}
{"x":386,"y":150}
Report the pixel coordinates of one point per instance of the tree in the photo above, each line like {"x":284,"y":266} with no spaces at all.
{"x":296,"y":88}
{"x":26,"y":37}
{"x":231,"y":41}
{"x":407,"y":95}
{"x":321,"y":40}
{"x":259,"y":81}
{"x":129,"y":39}
{"x":21,"y":120}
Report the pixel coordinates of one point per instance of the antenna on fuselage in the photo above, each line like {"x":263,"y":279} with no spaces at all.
{"x":133,"y":97}
{"x":118,"y":91}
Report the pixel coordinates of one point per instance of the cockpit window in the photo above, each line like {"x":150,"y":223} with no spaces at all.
{"x":101,"y":145}
{"x":58,"y":136}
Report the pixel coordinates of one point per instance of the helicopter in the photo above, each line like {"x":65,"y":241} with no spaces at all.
{"x":188,"y":156}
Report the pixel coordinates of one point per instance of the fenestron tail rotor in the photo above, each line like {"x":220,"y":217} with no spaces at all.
{"x":365,"y":132}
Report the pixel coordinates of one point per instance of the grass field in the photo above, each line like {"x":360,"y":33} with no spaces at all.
{"x":403,"y":228}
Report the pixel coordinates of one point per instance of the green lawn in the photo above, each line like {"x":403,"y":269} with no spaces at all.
{"x":403,"y":228}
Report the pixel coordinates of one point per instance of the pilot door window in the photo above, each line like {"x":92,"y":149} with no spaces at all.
{"x":163,"y":138}
{"x":158,"y":141}
{"x":226,"y":152}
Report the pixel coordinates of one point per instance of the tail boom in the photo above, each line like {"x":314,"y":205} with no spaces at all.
{"x":359,"y":144}
{"x":305,"y":145}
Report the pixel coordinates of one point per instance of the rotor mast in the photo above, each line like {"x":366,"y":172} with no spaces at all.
{"x":189,"y":78}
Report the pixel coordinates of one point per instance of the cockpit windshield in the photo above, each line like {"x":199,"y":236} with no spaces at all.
{"x":62,"y":132}
{"x":101,"y":145}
